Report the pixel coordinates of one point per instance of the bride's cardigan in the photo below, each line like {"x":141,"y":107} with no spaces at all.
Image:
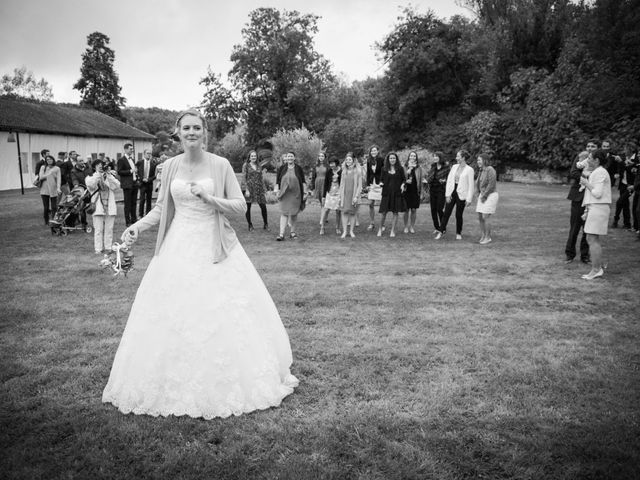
{"x":227,"y":198}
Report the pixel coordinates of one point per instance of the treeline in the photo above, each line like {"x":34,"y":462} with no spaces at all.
{"x":527,"y":80}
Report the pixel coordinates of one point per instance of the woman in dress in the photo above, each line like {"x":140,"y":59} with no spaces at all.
{"x":487,"y":197}
{"x":331,"y":194}
{"x":350,"y":187}
{"x":50,"y":186}
{"x":204,"y":338}
{"x":104,"y":216}
{"x":375,"y":164}
{"x":597,"y":203}
{"x":290,"y":188}
{"x":393,"y":187}
{"x":458,"y":193}
{"x":413,"y":191}
{"x":318,"y":175}
{"x":436,"y":182}
{"x":254,"y":188}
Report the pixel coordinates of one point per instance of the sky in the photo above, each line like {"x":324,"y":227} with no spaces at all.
{"x":163,"y":48}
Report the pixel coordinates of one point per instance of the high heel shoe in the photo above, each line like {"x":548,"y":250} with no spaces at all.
{"x":592,"y":275}
{"x":251,"y":229}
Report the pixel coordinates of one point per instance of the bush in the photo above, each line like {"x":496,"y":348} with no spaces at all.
{"x":304,"y":144}
{"x":233,"y":147}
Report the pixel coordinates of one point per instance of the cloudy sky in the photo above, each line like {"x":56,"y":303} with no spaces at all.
{"x":163,"y":48}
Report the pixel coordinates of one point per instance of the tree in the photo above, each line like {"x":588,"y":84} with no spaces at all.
{"x":277,"y":70}
{"x":24,"y":84}
{"x":98,"y":83}
{"x":219,"y":105}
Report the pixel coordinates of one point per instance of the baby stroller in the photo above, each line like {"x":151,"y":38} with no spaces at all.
{"x":68,"y":212}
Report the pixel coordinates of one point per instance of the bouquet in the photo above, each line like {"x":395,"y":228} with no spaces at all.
{"x":119,"y":259}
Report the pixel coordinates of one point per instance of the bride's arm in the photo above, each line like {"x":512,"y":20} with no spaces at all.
{"x":233,"y":200}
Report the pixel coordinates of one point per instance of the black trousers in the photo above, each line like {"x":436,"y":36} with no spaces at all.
{"x":130,"y":196}
{"x":49,"y":204}
{"x":146,"y":192}
{"x":459,"y":204}
{"x":575,"y":224}
{"x":635,"y":211}
{"x":437,"y":203}
{"x":622,"y":205}
{"x":263,"y":210}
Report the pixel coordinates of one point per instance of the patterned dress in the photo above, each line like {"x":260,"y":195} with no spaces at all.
{"x":255,"y":184}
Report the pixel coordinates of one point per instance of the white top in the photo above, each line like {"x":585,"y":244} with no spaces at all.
{"x":466,"y":187}
{"x":601,"y":191}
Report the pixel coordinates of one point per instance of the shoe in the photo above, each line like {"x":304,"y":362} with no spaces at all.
{"x":438,"y":235}
{"x":98,"y":252}
{"x":592,"y":275}
{"x":338,"y":231}
{"x":411,"y":230}
{"x":321,"y":230}
{"x":251,"y":229}
{"x":406,"y":230}
{"x":485,"y":241}
{"x":614,"y":225}
{"x":379,"y":234}
{"x":370,"y":227}
{"x":279,"y":238}
{"x":293,"y":235}
{"x":266,"y":226}
{"x":384,"y":228}
{"x":586,"y":260}
{"x":458,"y":236}
{"x":435,"y":232}
{"x":343,"y":236}
{"x":392,"y":234}
{"x":568,"y":260}
{"x":352,"y":235}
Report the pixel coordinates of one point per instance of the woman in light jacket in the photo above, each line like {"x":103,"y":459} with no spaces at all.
{"x":104,"y":216}
{"x":350,"y":188}
{"x":50,"y":188}
{"x":597,"y":203}
{"x":487,"y":197}
{"x":458,"y":193}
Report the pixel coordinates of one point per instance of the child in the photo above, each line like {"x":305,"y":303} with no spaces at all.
{"x":332,"y":194}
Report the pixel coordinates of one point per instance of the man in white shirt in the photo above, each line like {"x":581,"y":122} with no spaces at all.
{"x":128,"y":183}
{"x":146,"y":170}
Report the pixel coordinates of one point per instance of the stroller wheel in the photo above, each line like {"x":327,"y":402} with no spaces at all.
{"x":88,"y":229}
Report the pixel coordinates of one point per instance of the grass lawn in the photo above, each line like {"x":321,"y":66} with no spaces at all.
{"x":417,"y":358}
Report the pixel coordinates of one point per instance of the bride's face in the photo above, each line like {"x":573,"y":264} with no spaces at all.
{"x":191,"y":131}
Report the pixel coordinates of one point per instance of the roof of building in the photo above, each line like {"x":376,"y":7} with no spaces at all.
{"x":39,"y":117}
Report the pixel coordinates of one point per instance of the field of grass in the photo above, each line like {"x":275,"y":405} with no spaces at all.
{"x":417,"y":358}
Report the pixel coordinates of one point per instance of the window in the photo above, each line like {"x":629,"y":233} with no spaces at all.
{"x":35,"y":158}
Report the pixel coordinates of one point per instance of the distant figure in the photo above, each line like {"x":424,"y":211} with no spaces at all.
{"x":393,"y":185}
{"x":128,"y":183}
{"x":50,"y":177}
{"x":291,"y":196}
{"x":146,"y":173}
{"x":458,"y":193}
{"x":437,"y":181}
{"x":487,"y":197}
{"x":105,"y":183}
{"x":254,"y":189}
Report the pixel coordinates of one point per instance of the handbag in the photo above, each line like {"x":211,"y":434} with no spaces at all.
{"x":37,"y":182}
{"x":375,"y":192}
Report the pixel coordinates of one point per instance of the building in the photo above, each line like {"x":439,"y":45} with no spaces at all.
{"x":58,"y":128}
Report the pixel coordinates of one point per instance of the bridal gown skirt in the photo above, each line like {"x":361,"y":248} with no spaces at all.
{"x":202,"y":339}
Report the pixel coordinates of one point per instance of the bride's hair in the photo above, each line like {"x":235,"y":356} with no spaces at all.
{"x":195,"y":113}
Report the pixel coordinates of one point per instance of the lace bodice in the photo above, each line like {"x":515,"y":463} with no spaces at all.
{"x":187,"y":205}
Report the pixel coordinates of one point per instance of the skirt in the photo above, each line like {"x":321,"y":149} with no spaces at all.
{"x":597,"y":218}
{"x":489,"y":205}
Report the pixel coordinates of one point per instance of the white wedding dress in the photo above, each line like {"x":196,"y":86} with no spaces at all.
{"x":203,"y":339}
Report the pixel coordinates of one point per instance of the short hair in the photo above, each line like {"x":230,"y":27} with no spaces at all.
{"x":128,"y":145}
{"x":72,"y":152}
{"x":486,"y":159}
{"x":44,"y":152}
{"x":62,"y":154}
{"x":594,"y":141}
{"x":96,"y":162}
{"x":464,"y":154}
{"x":601,"y":156}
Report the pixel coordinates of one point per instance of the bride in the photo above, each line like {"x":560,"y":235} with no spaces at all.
{"x":204,"y":338}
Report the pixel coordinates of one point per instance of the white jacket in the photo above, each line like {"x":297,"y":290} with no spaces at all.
{"x":113,"y":184}
{"x":466,"y":187}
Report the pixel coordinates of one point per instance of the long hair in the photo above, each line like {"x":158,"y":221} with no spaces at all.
{"x":387,"y":164}
{"x":248,"y":160}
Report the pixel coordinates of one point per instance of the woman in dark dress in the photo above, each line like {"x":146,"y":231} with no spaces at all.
{"x":437,"y":181}
{"x":254,"y":188}
{"x":412,"y":193}
{"x":393,"y":187}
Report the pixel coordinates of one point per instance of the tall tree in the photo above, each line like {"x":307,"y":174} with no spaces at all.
{"x":24,"y":84}
{"x":98,"y":81}
{"x":219,"y":105}
{"x":277,"y":70}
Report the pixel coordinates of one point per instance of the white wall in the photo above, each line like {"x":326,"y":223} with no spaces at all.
{"x":31,"y":144}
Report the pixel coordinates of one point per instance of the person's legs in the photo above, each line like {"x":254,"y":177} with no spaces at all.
{"x":338,"y":221}
{"x":372,"y":214}
{"x":405,"y":218}
{"x":263,"y":211}
{"x":394,"y":222}
{"x":353,"y":223}
{"x":448,"y":209}
{"x":127,"y":197}
{"x":109,"y":220}
{"x":574,"y":230}
{"x":414,"y":214}
{"x":487,"y":225}
{"x":596,"y":253}
{"x":247,"y":215}
{"x":482,"y":227}
{"x":323,"y":217}
{"x":98,"y":233}
{"x":460,"y":204}
{"x":383,"y":218}
{"x":45,"y":206}
{"x":283,"y":224}
{"x":635,"y":221}
{"x":292,"y":223}
{"x":436,"y":213}
{"x":53,"y":201}
{"x":344,"y":225}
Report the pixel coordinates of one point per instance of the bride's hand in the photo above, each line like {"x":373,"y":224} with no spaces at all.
{"x":198,"y":191}
{"x":130,"y":236}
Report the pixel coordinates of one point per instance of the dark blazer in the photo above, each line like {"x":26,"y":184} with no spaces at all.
{"x":328,"y":179}
{"x":575,"y":195}
{"x":631,"y":172}
{"x":152,"y":170}
{"x":125,"y":173}
{"x":78,"y":176}
{"x":374,"y":176}
{"x":299,"y":175}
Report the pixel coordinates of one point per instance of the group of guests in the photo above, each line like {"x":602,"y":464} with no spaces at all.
{"x":102,"y":177}
{"x":592,"y":175}
{"x":394,"y":185}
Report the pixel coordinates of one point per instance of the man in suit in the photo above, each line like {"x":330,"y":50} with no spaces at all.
{"x":626,"y":176}
{"x":128,"y":182}
{"x":577,"y":210}
{"x":42,"y":161}
{"x":146,"y":169}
